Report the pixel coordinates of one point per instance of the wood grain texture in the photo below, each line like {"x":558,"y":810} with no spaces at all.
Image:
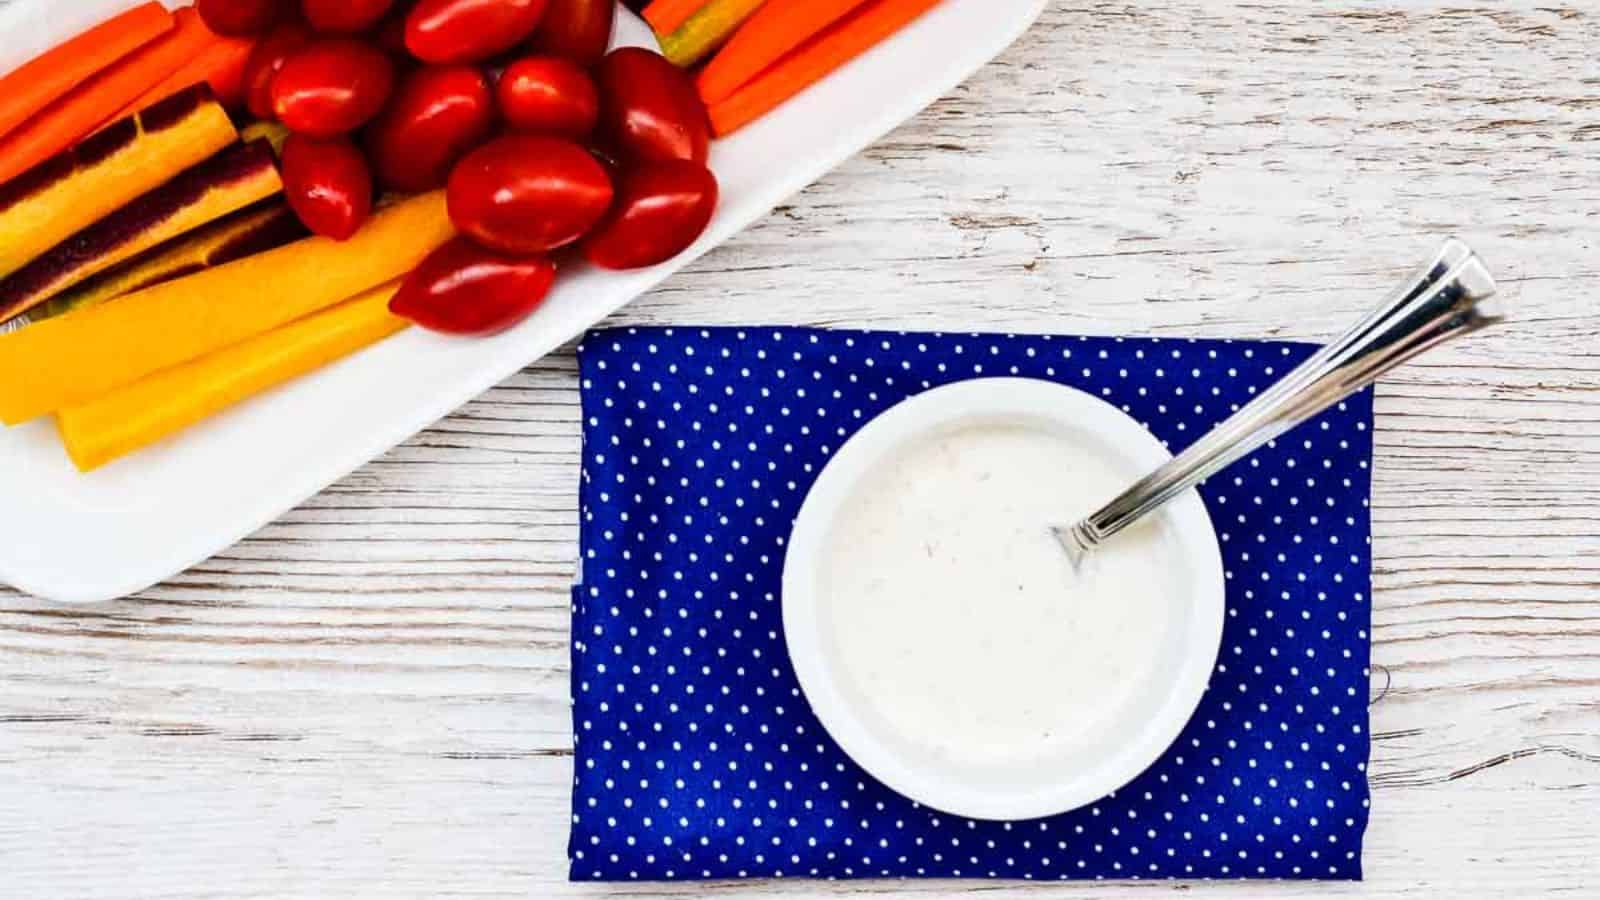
{"x":370,"y":696}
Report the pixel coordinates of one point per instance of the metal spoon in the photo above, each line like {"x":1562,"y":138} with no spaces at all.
{"x":1447,"y":297}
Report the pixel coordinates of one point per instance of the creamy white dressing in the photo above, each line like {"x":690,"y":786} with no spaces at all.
{"x":954,"y":617}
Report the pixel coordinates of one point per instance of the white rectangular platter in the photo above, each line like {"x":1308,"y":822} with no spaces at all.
{"x":77,"y":538}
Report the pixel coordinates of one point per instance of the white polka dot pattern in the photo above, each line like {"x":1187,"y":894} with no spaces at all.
{"x":696,"y":754}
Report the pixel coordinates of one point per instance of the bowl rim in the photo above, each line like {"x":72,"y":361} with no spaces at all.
{"x":975,"y":400}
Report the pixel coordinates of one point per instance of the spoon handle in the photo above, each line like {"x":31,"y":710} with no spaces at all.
{"x":1445,"y":298}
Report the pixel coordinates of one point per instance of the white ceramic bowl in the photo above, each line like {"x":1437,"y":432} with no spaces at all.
{"x":1146,"y":725}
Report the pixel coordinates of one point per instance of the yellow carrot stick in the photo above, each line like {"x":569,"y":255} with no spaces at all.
{"x":95,"y":178}
{"x":158,"y":406}
{"x":245,"y":233}
{"x":705,"y":31}
{"x":229,"y":181}
{"x":272,"y":132}
{"x":75,"y":358}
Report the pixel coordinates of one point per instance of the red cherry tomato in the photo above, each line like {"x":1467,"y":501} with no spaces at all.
{"x":579,"y":30}
{"x":548,"y":95}
{"x":525,"y":195}
{"x":437,"y":114}
{"x":390,"y":34}
{"x":328,"y":184}
{"x":344,"y":16}
{"x":649,"y":109}
{"x":462,"y":31}
{"x":238,"y":18}
{"x":661,"y":208}
{"x":333,"y":86}
{"x":265,"y":61}
{"x":462,"y":288}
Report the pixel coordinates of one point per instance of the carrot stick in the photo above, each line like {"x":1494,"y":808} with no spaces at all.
{"x":167,"y":402}
{"x":71,"y":359}
{"x":96,"y":102}
{"x":47,"y":78}
{"x":94,"y":178}
{"x":257,"y":229}
{"x":272,"y":132}
{"x":775,"y":29}
{"x":220,"y":65}
{"x":707,"y":30}
{"x":667,"y":16}
{"x":229,"y":181}
{"x":828,"y":51}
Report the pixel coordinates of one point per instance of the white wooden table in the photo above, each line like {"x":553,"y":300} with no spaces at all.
{"x":370,"y":697}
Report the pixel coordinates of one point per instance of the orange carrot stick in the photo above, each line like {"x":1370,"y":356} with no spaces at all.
{"x":777,"y":28}
{"x":47,"y":78}
{"x":667,"y":16}
{"x":97,"y":101}
{"x":828,"y":51}
{"x":220,"y":65}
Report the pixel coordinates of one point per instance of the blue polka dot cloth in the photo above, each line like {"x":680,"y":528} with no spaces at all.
{"x":697,"y":756}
